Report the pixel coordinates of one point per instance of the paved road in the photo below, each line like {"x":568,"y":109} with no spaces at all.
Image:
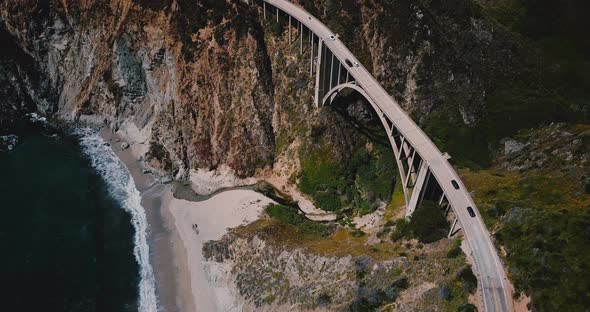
{"x":496,"y":289}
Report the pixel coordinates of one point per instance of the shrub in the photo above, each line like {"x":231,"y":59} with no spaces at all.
{"x":401,"y":230}
{"x":290,"y":216}
{"x":357,"y":233}
{"x":455,"y":249}
{"x":467,"y":279}
{"x":445,"y":292}
{"x":428,"y":224}
{"x":327,"y":201}
{"x":366,"y":178}
{"x":467,"y":308}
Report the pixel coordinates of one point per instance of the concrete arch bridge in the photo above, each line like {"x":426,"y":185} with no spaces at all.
{"x":424,"y":171}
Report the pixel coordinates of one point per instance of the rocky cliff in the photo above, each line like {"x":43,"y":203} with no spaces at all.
{"x":192,"y":79}
{"x":197,"y":83}
{"x":200,"y":84}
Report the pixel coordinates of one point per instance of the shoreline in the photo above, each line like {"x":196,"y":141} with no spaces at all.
{"x":178,"y":229}
{"x":166,"y":249}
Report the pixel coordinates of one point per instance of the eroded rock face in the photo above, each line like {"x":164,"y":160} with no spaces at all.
{"x":512,"y":146}
{"x":271,"y":278}
{"x":20,"y":84}
{"x":191,"y":78}
{"x":558,"y":148}
{"x":196,"y":82}
{"x":430,"y":56}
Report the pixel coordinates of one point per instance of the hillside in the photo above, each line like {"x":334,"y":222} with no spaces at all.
{"x":503,"y":86}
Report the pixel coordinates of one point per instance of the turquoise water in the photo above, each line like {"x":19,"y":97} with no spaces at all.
{"x":68,"y":240}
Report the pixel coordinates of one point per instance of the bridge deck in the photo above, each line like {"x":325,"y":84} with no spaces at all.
{"x":496,"y":289}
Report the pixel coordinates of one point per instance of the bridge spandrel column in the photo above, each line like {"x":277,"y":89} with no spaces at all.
{"x":311,"y":54}
{"x":318,"y":72}
{"x":290,"y":30}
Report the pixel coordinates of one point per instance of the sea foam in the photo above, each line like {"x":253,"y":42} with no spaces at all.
{"x":122,"y":188}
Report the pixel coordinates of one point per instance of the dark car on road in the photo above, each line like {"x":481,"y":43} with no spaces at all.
{"x":471,"y":212}
{"x":351,"y":64}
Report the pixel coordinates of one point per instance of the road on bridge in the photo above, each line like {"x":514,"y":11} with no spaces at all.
{"x":496,"y":289}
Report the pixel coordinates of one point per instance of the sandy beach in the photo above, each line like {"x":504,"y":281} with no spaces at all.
{"x":178,"y":229}
{"x":198,"y":222}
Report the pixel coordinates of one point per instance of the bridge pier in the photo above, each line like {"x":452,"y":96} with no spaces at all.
{"x":419,"y":187}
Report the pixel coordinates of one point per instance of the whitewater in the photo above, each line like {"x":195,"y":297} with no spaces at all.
{"x":122,"y":188}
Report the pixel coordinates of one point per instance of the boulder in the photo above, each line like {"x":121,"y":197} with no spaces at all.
{"x":8,"y":142}
{"x":166,"y":179}
{"x":512,"y":146}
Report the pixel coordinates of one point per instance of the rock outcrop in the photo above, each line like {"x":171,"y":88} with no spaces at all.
{"x":198,"y":85}
{"x":190,"y":79}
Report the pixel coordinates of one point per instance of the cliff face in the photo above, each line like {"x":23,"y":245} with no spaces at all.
{"x":196,"y":82}
{"x":193,"y":78}
{"x":203,"y":83}
{"x":465,"y":77}
{"x":21,"y":87}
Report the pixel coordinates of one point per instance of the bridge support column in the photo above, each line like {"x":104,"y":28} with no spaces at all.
{"x":277,"y":14}
{"x":442,"y":198}
{"x":311,"y":55}
{"x":331,"y":72}
{"x":290,"y":30}
{"x":301,"y":40}
{"x":419,"y":185}
{"x":452,"y":231}
{"x":410,"y":170}
{"x":318,"y":72}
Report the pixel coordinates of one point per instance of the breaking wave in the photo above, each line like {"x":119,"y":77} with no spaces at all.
{"x":122,"y":188}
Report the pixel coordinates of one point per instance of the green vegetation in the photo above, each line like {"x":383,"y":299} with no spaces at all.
{"x":467,"y":279}
{"x":467,"y":145}
{"x":455,"y":249}
{"x":542,"y":221}
{"x":291,"y":216}
{"x":548,"y":255}
{"x":375,"y":300}
{"x":498,"y":191}
{"x":428,"y":224}
{"x":369,"y":176}
{"x":545,"y":79}
{"x":467,"y":308}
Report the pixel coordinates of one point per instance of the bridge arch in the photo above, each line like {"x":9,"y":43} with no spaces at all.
{"x":424,"y":170}
{"x":410,"y":164}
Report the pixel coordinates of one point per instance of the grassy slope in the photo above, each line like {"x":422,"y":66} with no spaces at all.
{"x":541,"y":218}
{"x":425,"y":263}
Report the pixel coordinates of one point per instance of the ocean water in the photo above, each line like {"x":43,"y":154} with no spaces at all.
{"x":72,"y":230}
